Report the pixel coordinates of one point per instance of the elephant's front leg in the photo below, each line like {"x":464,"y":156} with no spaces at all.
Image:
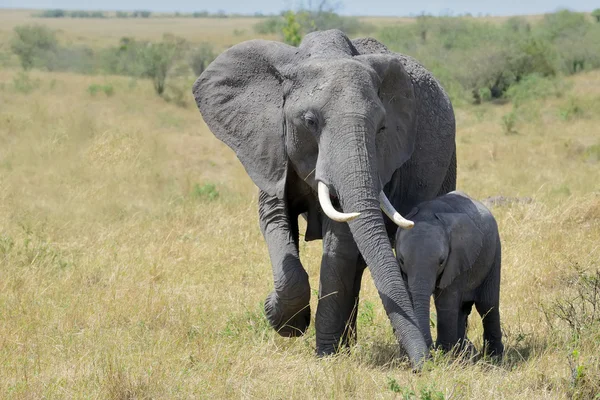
{"x":287,"y":306}
{"x":447,"y":306}
{"x":341,"y":272}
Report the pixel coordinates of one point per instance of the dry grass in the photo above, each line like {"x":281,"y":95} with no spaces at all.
{"x":122,"y":277}
{"x":222,"y":32}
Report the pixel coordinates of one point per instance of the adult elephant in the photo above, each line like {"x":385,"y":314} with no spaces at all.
{"x":333,"y":123}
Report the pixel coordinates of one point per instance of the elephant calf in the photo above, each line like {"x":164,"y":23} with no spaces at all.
{"x":453,"y":252}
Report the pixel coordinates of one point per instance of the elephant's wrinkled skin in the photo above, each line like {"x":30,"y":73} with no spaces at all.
{"x":453,"y":253}
{"x":353,"y":116}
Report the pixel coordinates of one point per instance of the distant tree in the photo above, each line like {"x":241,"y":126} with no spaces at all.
{"x":293,"y":25}
{"x":97,"y":14}
{"x":596,"y":14}
{"x":56,"y":13}
{"x":158,"y":58}
{"x":200,"y":57}
{"x":33,"y":42}
{"x":141,"y":14}
{"x":122,"y":14}
{"x":292,"y":30}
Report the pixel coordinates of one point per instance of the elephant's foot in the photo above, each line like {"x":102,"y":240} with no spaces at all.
{"x":330,"y":347}
{"x":494,"y":350}
{"x":288,"y":320}
{"x":464,"y":349}
{"x":332,"y":344}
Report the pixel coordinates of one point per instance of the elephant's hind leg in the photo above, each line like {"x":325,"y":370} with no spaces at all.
{"x":287,"y":306}
{"x":341,"y":272}
{"x":488,"y":307}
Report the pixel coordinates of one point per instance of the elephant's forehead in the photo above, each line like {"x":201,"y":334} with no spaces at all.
{"x":424,"y":234}
{"x":330,"y":74}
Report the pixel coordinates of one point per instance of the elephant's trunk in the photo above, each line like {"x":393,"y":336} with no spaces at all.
{"x":421,"y":301}
{"x":356,"y":180}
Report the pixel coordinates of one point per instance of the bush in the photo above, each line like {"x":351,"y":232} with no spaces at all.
{"x":293,"y":25}
{"x":269,"y":26}
{"x":291,"y":29}
{"x":485,"y":59}
{"x":579,"y":50}
{"x":579,"y":308}
{"x":158,"y":58}
{"x":24,"y":84}
{"x":535,"y":87}
{"x":596,"y":14}
{"x":207,"y":191}
{"x":200,"y":57}
{"x":32,"y":43}
{"x":79,"y":59}
{"x":141,"y":14}
{"x":122,"y":14}
{"x":56,"y":13}
{"x":124,"y":59}
{"x":87,"y":14}
{"x":95,"y":88}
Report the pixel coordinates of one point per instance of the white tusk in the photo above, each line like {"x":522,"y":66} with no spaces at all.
{"x":327,"y":207}
{"x":391,"y":212}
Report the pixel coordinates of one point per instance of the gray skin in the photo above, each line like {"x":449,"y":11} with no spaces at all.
{"x":352,"y":115}
{"x":454,"y":253}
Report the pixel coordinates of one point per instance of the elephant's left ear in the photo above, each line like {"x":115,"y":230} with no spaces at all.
{"x":466,"y":241}
{"x":396,"y":142}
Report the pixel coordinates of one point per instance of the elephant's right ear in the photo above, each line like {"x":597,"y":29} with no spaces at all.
{"x":240,"y":97}
{"x":466,"y":242}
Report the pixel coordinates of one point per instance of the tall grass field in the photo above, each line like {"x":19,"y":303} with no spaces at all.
{"x":132,"y":265}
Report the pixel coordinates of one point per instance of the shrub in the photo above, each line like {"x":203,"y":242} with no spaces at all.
{"x":158,"y":58}
{"x":141,"y":14}
{"x":291,"y":29}
{"x":87,"y":14}
{"x":95,"y":88}
{"x":563,"y":23}
{"x":271,"y":25}
{"x":579,"y":50}
{"x":124,"y":59}
{"x":509,"y":122}
{"x":200,"y":57}
{"x":571,"y":110}
{"x":535,"y":87}
{"x":208,"y":191}
{"x":80,"y":59}
{"x":56,"y":13}
{"x":293,"y":25}
{"x":486,"y":59}
{"x":32,"y":43}
{"x":122,"y":14}
{"x":596,"y":14}
{"x":24,"y":84}
{"x":579,"y":308}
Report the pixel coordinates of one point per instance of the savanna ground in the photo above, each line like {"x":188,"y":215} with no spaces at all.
{"x":132,"y":265}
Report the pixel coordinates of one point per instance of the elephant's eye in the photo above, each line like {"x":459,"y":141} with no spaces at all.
{"x":400,"y":260}
{"x":311,"y":121}
{"x":381,"y":130}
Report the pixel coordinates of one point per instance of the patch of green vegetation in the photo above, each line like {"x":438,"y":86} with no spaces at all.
{"x":96,"y":88}
{"x":483,"y":60}
{"x":206,"y":192}
{"x":23,"y":83}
